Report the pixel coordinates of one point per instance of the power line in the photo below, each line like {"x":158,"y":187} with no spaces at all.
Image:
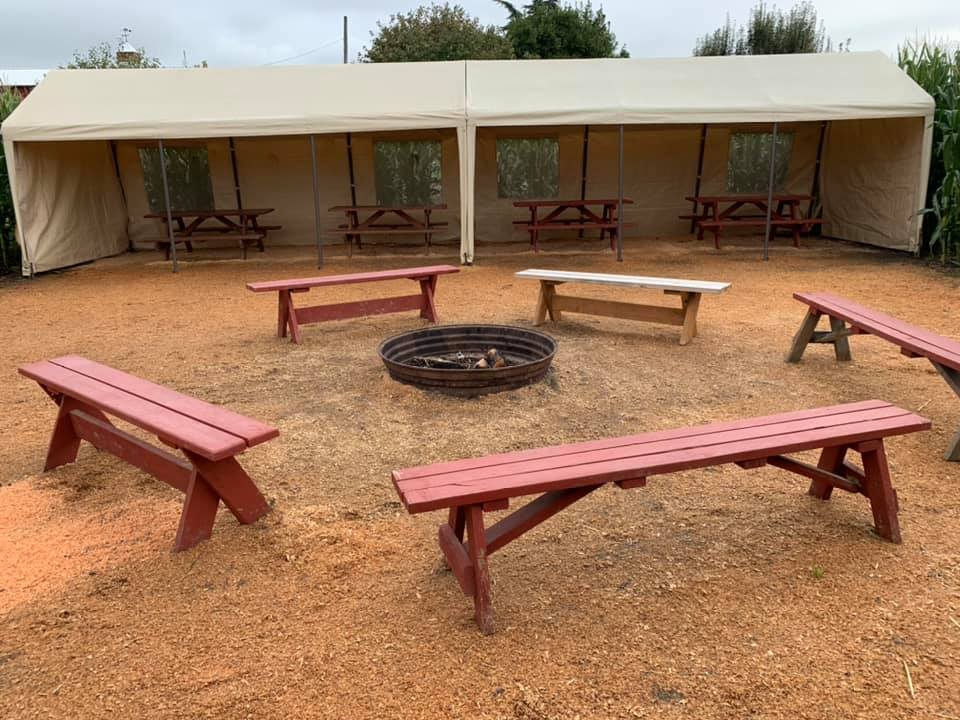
{"x":308,"y":52}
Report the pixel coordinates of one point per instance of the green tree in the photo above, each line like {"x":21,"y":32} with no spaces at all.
{"x":548,"y":29}
{"x":9,"y":250}
{"x":435,"y":32}
{"x":770,"y":31}
{"x":104,"y":56}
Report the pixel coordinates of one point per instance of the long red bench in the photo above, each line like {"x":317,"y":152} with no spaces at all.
{"x":848,"y":318}
{"x":290,"y":317}
{"x":566,"y":473}
{"x":210,"y":438}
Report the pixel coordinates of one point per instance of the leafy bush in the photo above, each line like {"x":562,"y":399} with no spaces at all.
{"x":936,"y":68}
{"x":9,"y":249}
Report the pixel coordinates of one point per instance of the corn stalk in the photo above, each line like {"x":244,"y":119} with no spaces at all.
{"x":936,"y":68}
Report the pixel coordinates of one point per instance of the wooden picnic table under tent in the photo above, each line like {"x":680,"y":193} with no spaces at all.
{"x":84,"y":148}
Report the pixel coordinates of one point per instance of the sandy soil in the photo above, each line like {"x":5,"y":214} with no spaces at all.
{"x":712,"y":594}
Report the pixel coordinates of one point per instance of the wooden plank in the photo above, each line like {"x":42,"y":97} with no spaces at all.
{"x":457,"y":559}
{"x":772,"y":433}
{"x":569,"y":203}
{"x":835,"y":414}
{"x":617,"y":309}
{"x":358,"y":308}
{"x":251,"y":431}
{"x":152,"y":460}
{"x":170,"y":426}
{"x":483,"y":489}
{"x":414,"y":273}
{"x":635,"y":281}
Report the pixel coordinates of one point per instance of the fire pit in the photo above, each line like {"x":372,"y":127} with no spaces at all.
{"x":468,"y":360}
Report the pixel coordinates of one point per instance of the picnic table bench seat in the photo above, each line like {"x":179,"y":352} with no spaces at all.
{"x":291,"y":318}
{"x":210,"y":437}
{"x":848,"y":318}
{"x":690,"y":292}
{"x":566,"y":473}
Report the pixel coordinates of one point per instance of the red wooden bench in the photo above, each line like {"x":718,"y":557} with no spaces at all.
{"x":292,"y":317}
{"x":209,"y":436}
{"x":848,"y":318}
{"x":566,"y":473}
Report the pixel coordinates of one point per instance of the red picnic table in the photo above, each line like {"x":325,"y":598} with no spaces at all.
{"x":387,"y":220}
{"x":784,"y":212}
{"x":241,"y":224}
{"x":603,"y":219}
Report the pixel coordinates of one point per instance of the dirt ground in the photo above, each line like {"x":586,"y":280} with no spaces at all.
{"x":712,"y":594}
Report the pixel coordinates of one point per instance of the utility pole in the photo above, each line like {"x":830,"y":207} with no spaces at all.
{"x":345,"y":48}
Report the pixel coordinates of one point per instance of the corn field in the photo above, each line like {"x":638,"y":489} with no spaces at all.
{"x":936,"y":68}
{"x":9,"y":249}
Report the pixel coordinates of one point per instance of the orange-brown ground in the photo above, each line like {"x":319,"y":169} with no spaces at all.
{"x":712,"y":594}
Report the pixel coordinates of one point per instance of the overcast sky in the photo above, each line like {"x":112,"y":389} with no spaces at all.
{"x":44,"y":33}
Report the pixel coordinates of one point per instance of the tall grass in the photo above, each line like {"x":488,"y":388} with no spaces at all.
{"x":935,"y":66}
{"x":9,"y":249}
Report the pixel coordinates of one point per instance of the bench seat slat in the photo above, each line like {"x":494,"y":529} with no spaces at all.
{"x":639,"y":281}
{"x":643,"y":446}
{"x":457,"y":489}
{"x":247,"y":429}
{"x":698,"y":431}
{"x":178,"y":429}
{"x":916,"y":339}
{"x":415,"y":273}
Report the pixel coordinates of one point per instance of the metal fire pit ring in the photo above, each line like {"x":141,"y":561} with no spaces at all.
{"x":528,"y":354}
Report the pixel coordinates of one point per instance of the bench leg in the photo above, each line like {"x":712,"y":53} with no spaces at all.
{"x":232,"y":484}
{"x":831,"y":460}
{"x":199,"y":512}
{"x":282,"y":312}
{"x":428,"y":289}
{"x":691,"y":303}
{"x":64,"y":441}
{"x":477,"y":551}
{"x":841,"y":342}
{"x":952,"y":378}
{"x":803,"y":336}
{"x":877,"y":487}
{"x":292,"y":322}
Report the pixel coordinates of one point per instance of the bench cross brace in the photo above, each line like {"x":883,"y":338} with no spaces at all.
{"x":204,"y":483}
{"x":549,"y":302}
{"x":952,"y":378}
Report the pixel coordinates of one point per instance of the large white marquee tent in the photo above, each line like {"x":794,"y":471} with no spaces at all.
{"x":861,"y":135}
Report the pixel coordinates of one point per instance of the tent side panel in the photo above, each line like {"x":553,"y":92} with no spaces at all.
{"x":69,"y":203}
{"x":364,"y":174}
{"x":870,"y":177}
{"x":494,"y":215}
{"x":276,"y":172}
{"x":660,"y":170}
{"x":803,"y":156}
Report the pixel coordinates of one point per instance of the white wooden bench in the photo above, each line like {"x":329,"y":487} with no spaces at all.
{"x":550,"y":302}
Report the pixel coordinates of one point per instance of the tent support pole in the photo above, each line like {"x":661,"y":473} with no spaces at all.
{"x":696,"y":186}
{"x":353,"y":182}
{"x":815,"y":186}
{"x":123,"y":194}
{"x":166,"y":204}
{"x":773,"y":162}
{"x":236,"y":175}
{"x":583,"y":168}
{"x":620,"y":200}
{"x":316,"y":199}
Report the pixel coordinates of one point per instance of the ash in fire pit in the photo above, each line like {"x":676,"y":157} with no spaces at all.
{"x":469,"y":360}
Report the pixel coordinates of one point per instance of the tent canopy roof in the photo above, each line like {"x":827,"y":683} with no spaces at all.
{"x":206,"y":102}
{"x":738,"y":89}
